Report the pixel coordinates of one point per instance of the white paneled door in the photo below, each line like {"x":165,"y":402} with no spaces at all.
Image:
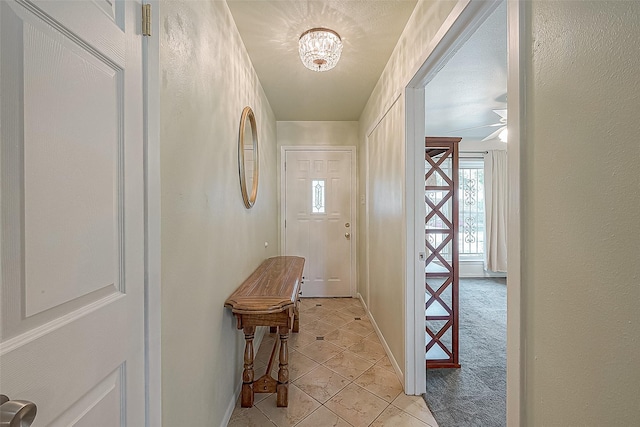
{"x":72,"y":320}
{"x":319,"y":189}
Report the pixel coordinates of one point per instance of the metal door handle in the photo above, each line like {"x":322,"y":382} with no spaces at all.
{"x":16,"y":413}
{"x":347,"y":235}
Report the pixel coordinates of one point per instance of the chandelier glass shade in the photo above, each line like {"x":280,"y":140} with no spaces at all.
{"x":320,"y":49}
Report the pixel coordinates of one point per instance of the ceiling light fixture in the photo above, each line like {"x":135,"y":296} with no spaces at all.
{"x":320,"y":49}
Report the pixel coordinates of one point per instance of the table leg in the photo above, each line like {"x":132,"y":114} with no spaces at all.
{"x":296,"y":319}
{"x":247,"y":374}
{"x":282,"y":398}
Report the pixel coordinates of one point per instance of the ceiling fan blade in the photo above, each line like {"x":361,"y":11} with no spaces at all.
{"x":502,"y":113}
{"x":495,"y":134}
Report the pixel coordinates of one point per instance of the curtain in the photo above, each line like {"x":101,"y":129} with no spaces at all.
{"x":495,"y":196}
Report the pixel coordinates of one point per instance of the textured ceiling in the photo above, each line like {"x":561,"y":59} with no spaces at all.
{"x":270,"y":31}
{"x":472,"y":84}
{"x":459,"y":100}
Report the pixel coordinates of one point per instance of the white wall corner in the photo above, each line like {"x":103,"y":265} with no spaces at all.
{"x":394,"y":362}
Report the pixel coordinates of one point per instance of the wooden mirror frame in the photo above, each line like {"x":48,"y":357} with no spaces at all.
{"x":249,"y":198}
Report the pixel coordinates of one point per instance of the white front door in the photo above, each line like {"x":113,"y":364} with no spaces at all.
{"x":319,"y":187}
{"x":72,"y":320}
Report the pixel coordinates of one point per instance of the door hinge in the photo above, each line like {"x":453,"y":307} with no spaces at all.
{"x":285,"y":223}
{"x":146,"y":19}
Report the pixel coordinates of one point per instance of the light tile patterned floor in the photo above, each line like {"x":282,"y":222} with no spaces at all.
{"x":344,"y":379}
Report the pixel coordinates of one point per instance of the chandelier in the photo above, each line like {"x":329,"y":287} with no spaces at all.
{"x":320,"y":49}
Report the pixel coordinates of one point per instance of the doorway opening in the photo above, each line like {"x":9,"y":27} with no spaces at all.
{"x":466,"y":312}
{"x":475,"y":155}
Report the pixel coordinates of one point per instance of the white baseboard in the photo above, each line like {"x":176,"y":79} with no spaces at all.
{"x":474,"y":268}
{"x":257,"y":340}
{"x":231,"y":406}
{"x":387,"y":350}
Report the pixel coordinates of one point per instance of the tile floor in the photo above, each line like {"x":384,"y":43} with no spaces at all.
{"x":344,"y":379}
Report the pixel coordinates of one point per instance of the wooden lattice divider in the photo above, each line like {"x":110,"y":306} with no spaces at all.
{"x":441,"y":272}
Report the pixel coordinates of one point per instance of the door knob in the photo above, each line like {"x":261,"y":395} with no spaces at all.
{"x":347,"y":235}
{"x":16,"y":413}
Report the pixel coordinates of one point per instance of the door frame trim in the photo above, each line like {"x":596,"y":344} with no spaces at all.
{"x":354,"y":221}
{"x":152,"y":220}
{"x":464,"y":19}
{"x":460,"y":24}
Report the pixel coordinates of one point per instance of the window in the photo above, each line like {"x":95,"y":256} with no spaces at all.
{"x":317,"y":195}
{"x":471,"y":208}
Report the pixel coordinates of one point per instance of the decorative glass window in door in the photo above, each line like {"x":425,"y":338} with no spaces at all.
{"x":317,"y":196}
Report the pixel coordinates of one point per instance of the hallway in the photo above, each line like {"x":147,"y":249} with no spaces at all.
{"x":339,"y":373}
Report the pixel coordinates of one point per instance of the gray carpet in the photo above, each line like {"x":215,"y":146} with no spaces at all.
{"x":475,"y":394}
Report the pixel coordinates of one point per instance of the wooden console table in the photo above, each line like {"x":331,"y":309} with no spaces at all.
{"x":269,"y":297}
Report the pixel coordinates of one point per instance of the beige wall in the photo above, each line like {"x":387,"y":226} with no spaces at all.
{"x":385,"y":290}
{"x":317,"y":133}
{"x":386,"y":177}
{"x":210,"y":242}
{"x":581,"y":216}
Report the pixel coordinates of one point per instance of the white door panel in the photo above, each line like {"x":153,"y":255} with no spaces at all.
{"x":319,"y":203}
{"x":71,"y":154}
{"x":72,"y":332}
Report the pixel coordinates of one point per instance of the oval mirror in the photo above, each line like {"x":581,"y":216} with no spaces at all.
{"x":248,"y":157}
